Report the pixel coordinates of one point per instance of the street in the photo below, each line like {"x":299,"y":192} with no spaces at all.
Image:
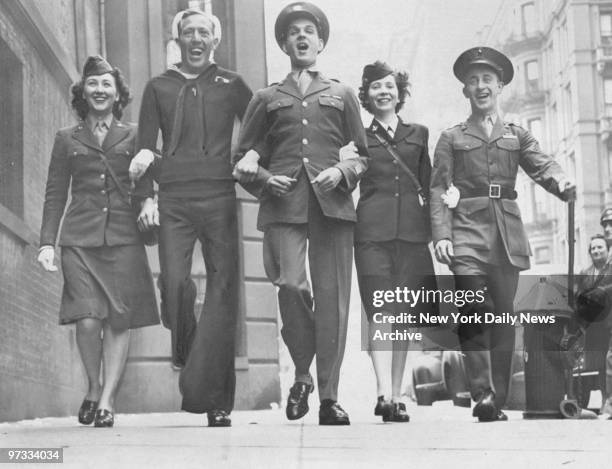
{"x":439,"y":436}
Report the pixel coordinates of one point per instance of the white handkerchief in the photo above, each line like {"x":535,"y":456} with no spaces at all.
{"x":451,"y":196}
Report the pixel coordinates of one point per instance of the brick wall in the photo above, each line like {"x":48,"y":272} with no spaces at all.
{"x":40,"y":372}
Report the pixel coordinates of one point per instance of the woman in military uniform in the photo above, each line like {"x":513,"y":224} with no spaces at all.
{"x":108,"y":287}
{"x":393,"y":226}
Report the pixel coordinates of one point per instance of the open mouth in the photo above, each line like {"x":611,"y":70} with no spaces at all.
{"x":100,"y":99}
{"x":302,"y":46}
{"x":196,"y":52}
{"x":482,"y":96}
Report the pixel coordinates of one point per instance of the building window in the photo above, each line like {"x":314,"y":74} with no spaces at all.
{"x":532,"y":76}
{"x":609,"y":148}
{"x":540,"y":198}
{"x":528,"y":19}
{"x":569,"y":109}
{"x":608,"y":97}
{"x":11,"y":131}
{"x":542,"y":255}
{"x":605,"y":31}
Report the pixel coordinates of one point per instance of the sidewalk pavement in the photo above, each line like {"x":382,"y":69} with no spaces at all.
{"x":440,"y":436}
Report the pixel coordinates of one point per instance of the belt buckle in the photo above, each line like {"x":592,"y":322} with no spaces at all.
{"x":494,"y":191}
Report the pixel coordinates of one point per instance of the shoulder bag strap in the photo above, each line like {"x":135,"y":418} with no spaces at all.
{"x":124,"y":194}
{"x":413,"y":178}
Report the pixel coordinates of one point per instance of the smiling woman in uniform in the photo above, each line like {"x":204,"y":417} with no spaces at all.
{"x":108,"y":288}
{"x":393,"y":226}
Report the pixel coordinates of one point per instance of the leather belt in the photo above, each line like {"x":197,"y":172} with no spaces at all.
{"x":492,"y":191}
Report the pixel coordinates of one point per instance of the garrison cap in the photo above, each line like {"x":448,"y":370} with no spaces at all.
{"x":375,"y":71}
{"x":484,"y":56}
{"x":606,"y":215}
{"x":96,"y":65}
{"x":301,"y":10}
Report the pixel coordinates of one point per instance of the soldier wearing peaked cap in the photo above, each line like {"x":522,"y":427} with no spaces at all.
{"x":304,"y":183}
{"x":476,"y":222}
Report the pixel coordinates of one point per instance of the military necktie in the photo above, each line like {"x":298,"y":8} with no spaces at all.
{"x":303,"y":81}
{"x":488,"y":125}
{"x":99,"y":132}
{"x":390,"y":131}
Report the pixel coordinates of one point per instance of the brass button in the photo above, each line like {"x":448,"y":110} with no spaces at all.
{"x":102,"y":176}
{"x":105,"y":209}
{"x":305,"y":160}
{"x":103,"y":191}
{"x":305,"y":141}
{"x":304,"y":104}
{"x":305,"y":121}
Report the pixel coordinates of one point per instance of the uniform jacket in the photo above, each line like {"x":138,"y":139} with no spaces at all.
{"x":388,"y":206}
{"x":466,"y":157}
{"x":299,"y":136}
{"x":98,"y":214}
{"x":220,"y":97}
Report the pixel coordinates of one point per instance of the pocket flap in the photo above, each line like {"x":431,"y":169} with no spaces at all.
{"x":413,"y":141}
{"x":469,"y":206}
{"x":333,"y":101}
{"x":511,"y":144}
{"x":466,"y":145}
{"x":511,"y":207}
{"x":279,"y":104}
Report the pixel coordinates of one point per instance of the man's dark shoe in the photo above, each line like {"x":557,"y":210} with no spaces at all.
{"x":297,"y":402}
{"x":218,"y":418}
{"x":330,"y":413}
{"x":485,"y":409}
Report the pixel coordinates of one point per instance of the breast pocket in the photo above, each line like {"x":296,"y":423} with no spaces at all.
{"x":508,"y":155}
{"x":279,"y":105}
{"x":124,"y":151}
{"x":469,"y":157}
{"x":331,"y":102}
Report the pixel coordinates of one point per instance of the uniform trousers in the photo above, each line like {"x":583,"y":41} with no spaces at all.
{"x":208,"y":379}
{"x":313,"y":322}
{"x":488,"y":348}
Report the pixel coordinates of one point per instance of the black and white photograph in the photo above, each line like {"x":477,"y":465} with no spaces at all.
{"x":306,"y":234}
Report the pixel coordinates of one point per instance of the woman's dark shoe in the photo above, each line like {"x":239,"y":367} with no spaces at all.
{"x":383,"y":408}
{"x":398,"y":413}
{"x":219,"y":418}
{"x":87,"y":412}
{"x":104,"y":418}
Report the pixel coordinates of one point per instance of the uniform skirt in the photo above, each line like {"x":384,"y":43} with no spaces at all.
{"x":112,"y":283}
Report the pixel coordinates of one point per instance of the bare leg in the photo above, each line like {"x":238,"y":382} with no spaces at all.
{"x":89,"y":341}
{"x":382,"y":363}
{"x":397,"y":373}
{"x":115,"y":349}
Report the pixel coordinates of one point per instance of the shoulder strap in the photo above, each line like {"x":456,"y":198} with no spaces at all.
{"x":411,"y":176}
